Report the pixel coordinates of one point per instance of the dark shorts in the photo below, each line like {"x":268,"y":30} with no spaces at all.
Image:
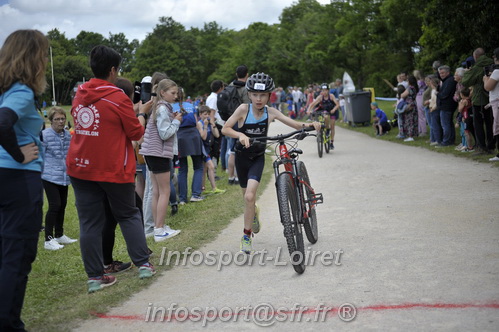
{"x":158,"y":164}
{"x":336,"y":114}
{"x":249,"y":168}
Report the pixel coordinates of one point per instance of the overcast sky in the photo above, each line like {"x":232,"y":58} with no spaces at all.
{"x":135,"y":18}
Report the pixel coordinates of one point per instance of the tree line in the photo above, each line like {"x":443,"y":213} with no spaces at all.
{"x":370,"y":39}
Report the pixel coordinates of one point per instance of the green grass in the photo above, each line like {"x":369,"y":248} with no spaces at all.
{"x":387,"y":107}
{"x":56,"y":297}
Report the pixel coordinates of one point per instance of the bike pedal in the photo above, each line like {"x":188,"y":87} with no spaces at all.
{"x":316,"y":199}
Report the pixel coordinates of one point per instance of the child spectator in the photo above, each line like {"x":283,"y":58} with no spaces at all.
{"x":291,"y":113}
{"x":158,"y":149}
{"x":56,"y":181}
{"x":208,"y":131}
{"x":342,"y":108}
{"x":400,"y":108}
{"x":380,"y":120}
{"x":436,"y":127}
{"x":464,"y":110}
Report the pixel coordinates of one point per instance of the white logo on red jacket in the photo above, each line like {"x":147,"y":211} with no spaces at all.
{"x":87,"y":120}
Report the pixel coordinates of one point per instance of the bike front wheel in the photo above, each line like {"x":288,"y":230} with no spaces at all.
{"x":290,"y":214}
{"x":320,"y":143}
{"x":310,"y":223}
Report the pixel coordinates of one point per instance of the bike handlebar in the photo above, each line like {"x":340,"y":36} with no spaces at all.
{"x":300,"y":134}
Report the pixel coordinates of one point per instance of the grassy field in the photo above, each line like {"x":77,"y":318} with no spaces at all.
{"x":56,"y":298}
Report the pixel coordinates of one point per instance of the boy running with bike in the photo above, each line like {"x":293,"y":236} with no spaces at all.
{"x":253,"y":121}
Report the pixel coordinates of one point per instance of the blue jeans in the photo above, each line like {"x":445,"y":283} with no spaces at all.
{"x":223,"y":151}
{"x":435,"y":127}
{"x":197,"y":164}
{"x":427,"y":116}
{"x":449,"y":133}
{"x":461,"y":131}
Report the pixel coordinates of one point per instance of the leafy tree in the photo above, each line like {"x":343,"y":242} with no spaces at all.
{"x":85,"y":41}
{"x":451,"y":30}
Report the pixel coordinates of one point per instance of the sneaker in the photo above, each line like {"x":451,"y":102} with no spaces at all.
{"x":182,"y":203}
{"x":52,"y":244}
{"x":146,"y":271}
{"x":117,"y":267}
{"x":232,"y":180}
{"x":197,"y":198}
{"x":65,"y":240}
{"x":496,"y":158}
{"x":459,"y":147}
{"x":96,"y":284}
{"x":433,"y":143}
{"x":409,"y":139}
{"x":171,"y":230}
{"x":255,"y":227}
{"x":160,"y":234}
{"x":246,"y":244}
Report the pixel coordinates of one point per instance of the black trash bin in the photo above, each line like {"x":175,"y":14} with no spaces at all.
{"x":358,"y":107}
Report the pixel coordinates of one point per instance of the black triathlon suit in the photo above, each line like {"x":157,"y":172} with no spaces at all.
{"x":250,"y":162}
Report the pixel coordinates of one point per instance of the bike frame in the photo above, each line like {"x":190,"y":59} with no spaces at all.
{"x":288,"y":159}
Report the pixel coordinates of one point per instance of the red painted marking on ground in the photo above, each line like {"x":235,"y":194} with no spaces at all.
{"x":328,"y":309}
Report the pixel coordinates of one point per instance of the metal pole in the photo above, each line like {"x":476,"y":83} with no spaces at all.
{"x":53,"y":86}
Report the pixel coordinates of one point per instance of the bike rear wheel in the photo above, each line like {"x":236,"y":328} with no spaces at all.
{"x":290,"y":214}
{"x":310,"y":223}
{"x":320,"y":143}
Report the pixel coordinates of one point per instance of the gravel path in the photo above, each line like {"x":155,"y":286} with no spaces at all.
{"x":410,"y":238}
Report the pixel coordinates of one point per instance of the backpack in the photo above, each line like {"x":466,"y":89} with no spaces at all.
{"x":227,"y":101}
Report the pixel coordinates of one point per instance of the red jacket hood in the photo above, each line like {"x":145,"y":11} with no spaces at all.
{"x":95,"y":89}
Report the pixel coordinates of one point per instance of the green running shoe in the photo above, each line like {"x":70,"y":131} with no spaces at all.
{"x":146,"y":271}
{"x":98,"y":283}
{"x":255,"y":227}
{"x":246,"y":244}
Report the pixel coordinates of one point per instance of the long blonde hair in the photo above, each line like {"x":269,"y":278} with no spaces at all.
{"x":163,"y":85}
{"x":23,"y":59}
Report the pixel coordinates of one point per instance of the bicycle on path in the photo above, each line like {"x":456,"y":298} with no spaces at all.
{"x":323,"y":135}
{"x":296,"y":198}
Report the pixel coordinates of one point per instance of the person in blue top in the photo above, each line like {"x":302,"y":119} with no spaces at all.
{"x":23,"y":60}
{"x":380,"y":120}
{"x":189,"y":144}
{"x":253,"y":121}
{"x":56,"y":181}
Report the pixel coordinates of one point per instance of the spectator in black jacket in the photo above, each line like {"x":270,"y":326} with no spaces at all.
{"x":446,"y":105}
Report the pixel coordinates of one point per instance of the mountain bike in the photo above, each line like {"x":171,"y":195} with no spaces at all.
{"x":296,"y":198}
{"x":322,"y":136}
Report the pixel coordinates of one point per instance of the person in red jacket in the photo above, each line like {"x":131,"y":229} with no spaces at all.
{"x":101,"y":164}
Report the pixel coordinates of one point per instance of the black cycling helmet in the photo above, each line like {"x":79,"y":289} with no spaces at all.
{"x":324,"y":86}
{"x":260,"y":82}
